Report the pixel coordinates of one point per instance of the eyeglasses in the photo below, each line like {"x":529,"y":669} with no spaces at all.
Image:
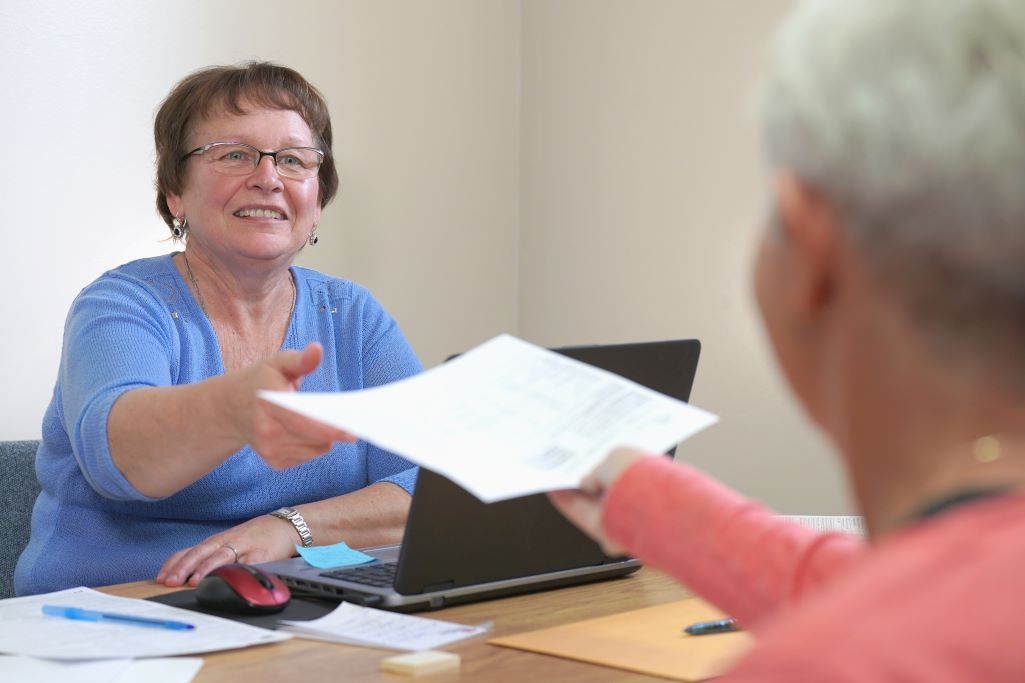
{"x":238,"y":158}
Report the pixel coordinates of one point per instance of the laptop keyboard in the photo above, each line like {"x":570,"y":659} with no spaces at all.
{"x":380,"y":575}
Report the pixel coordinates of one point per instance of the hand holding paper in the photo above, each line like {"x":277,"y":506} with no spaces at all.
{"x":586,"y":508}
{"x":507,"y":419}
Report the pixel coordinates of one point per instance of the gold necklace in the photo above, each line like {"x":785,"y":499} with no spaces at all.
{"x":202,"y":301}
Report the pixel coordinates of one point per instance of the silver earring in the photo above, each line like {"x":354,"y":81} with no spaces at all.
{"x":178,"y":228}
{"x":313,"y":239}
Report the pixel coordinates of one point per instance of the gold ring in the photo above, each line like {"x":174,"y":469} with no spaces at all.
{"x":232,"y":549}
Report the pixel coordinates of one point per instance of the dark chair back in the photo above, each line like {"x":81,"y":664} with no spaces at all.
{"x":18,"y":491}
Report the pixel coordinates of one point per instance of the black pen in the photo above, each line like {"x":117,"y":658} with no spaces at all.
{"x":718,"y":626}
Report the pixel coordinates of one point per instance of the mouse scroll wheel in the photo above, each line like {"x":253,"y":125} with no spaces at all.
{"x":264,"y":581}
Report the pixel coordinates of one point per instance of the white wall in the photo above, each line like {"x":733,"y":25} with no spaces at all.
{"x":570,"y":170}
{"x":425,"y":106}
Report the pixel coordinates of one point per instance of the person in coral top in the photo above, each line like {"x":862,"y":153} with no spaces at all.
{"x":891,"y":282}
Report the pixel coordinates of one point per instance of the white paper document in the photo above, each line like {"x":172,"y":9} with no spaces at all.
{"x":157,"y":670}
{"x":355,"y":625}
{"x":161,"y":670}
{"x":25,"y":630}
{"x":847,"y":524}
{"x":507,"y":418}
{"x":17,"y":668}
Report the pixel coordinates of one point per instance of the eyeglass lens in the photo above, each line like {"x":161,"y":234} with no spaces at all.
{"x":238,"y":159}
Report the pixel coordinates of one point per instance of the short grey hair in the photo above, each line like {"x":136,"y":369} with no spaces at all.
{"x":909,"y":116}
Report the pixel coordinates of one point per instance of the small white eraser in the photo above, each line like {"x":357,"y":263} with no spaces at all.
{"x":421,"y":663}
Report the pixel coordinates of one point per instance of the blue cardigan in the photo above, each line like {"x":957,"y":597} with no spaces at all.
{"x":139,"y":326}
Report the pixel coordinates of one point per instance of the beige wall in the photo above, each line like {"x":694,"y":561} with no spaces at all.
{"x":642,"y":196}
{"x":572,"y":171}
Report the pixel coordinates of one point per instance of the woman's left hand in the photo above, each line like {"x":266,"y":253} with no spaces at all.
{"x":261,"y":539}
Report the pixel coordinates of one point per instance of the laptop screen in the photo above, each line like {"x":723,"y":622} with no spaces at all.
{"x":451,"y":540}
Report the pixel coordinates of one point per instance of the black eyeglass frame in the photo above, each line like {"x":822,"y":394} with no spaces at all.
{"x":199,"y":151}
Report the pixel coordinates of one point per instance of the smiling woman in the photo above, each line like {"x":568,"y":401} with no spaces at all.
{"x":160,"y":459}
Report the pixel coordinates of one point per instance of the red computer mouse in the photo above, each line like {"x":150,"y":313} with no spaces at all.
{"x":242,"y":589}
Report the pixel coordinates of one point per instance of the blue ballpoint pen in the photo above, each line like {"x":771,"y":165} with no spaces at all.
{"x":79,"y":614}
{"x":718,"y":626}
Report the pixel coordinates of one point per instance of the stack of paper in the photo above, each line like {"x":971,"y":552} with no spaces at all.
{"x":25,"y":630}
{"x":40,"y":647}
{"x":355,"y":625}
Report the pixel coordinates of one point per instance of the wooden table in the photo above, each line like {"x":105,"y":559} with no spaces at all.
{"x":307,"y":660}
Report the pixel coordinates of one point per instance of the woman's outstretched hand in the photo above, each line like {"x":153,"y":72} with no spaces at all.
{"x":283,"y":438}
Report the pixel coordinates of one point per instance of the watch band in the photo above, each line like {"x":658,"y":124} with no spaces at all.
{"x":292,"y":515}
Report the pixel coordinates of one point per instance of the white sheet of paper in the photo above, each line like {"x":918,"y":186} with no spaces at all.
{"x":161,"y":670}
{"x":24,"y":630}
{"x":18,"y":668}
{"x":15,"y":668}
{"x":848,"y":524}
{"x":355,"y":625}
{"x":507,"y":418}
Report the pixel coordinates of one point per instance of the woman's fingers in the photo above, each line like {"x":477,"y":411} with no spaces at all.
{"x":294,"y":365}
{"x":192,"y":564}
{"x":284,"y":438}
{"x":219,"y":556}
{"x":580,"y":508}
{"x":585,"y":511}
{"x":303,"y":428}
{"x":260,"y":539}
{"x":167,"y":570}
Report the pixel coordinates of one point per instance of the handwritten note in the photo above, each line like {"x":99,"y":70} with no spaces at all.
{"x":370,"y":627}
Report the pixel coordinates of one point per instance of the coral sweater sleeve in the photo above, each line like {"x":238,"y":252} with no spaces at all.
{"x":733,"y":552}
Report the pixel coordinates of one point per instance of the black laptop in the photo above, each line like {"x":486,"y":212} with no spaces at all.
{"x":457,"y":549}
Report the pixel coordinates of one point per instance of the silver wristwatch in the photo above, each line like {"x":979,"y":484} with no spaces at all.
{"x":293,"y":516}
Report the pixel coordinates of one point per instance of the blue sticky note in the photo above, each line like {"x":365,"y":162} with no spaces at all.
{"x":331,"y":556}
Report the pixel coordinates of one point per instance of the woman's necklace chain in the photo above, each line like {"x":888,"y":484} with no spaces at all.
{"x":195,"y":286}
{"x":202,"y":301}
